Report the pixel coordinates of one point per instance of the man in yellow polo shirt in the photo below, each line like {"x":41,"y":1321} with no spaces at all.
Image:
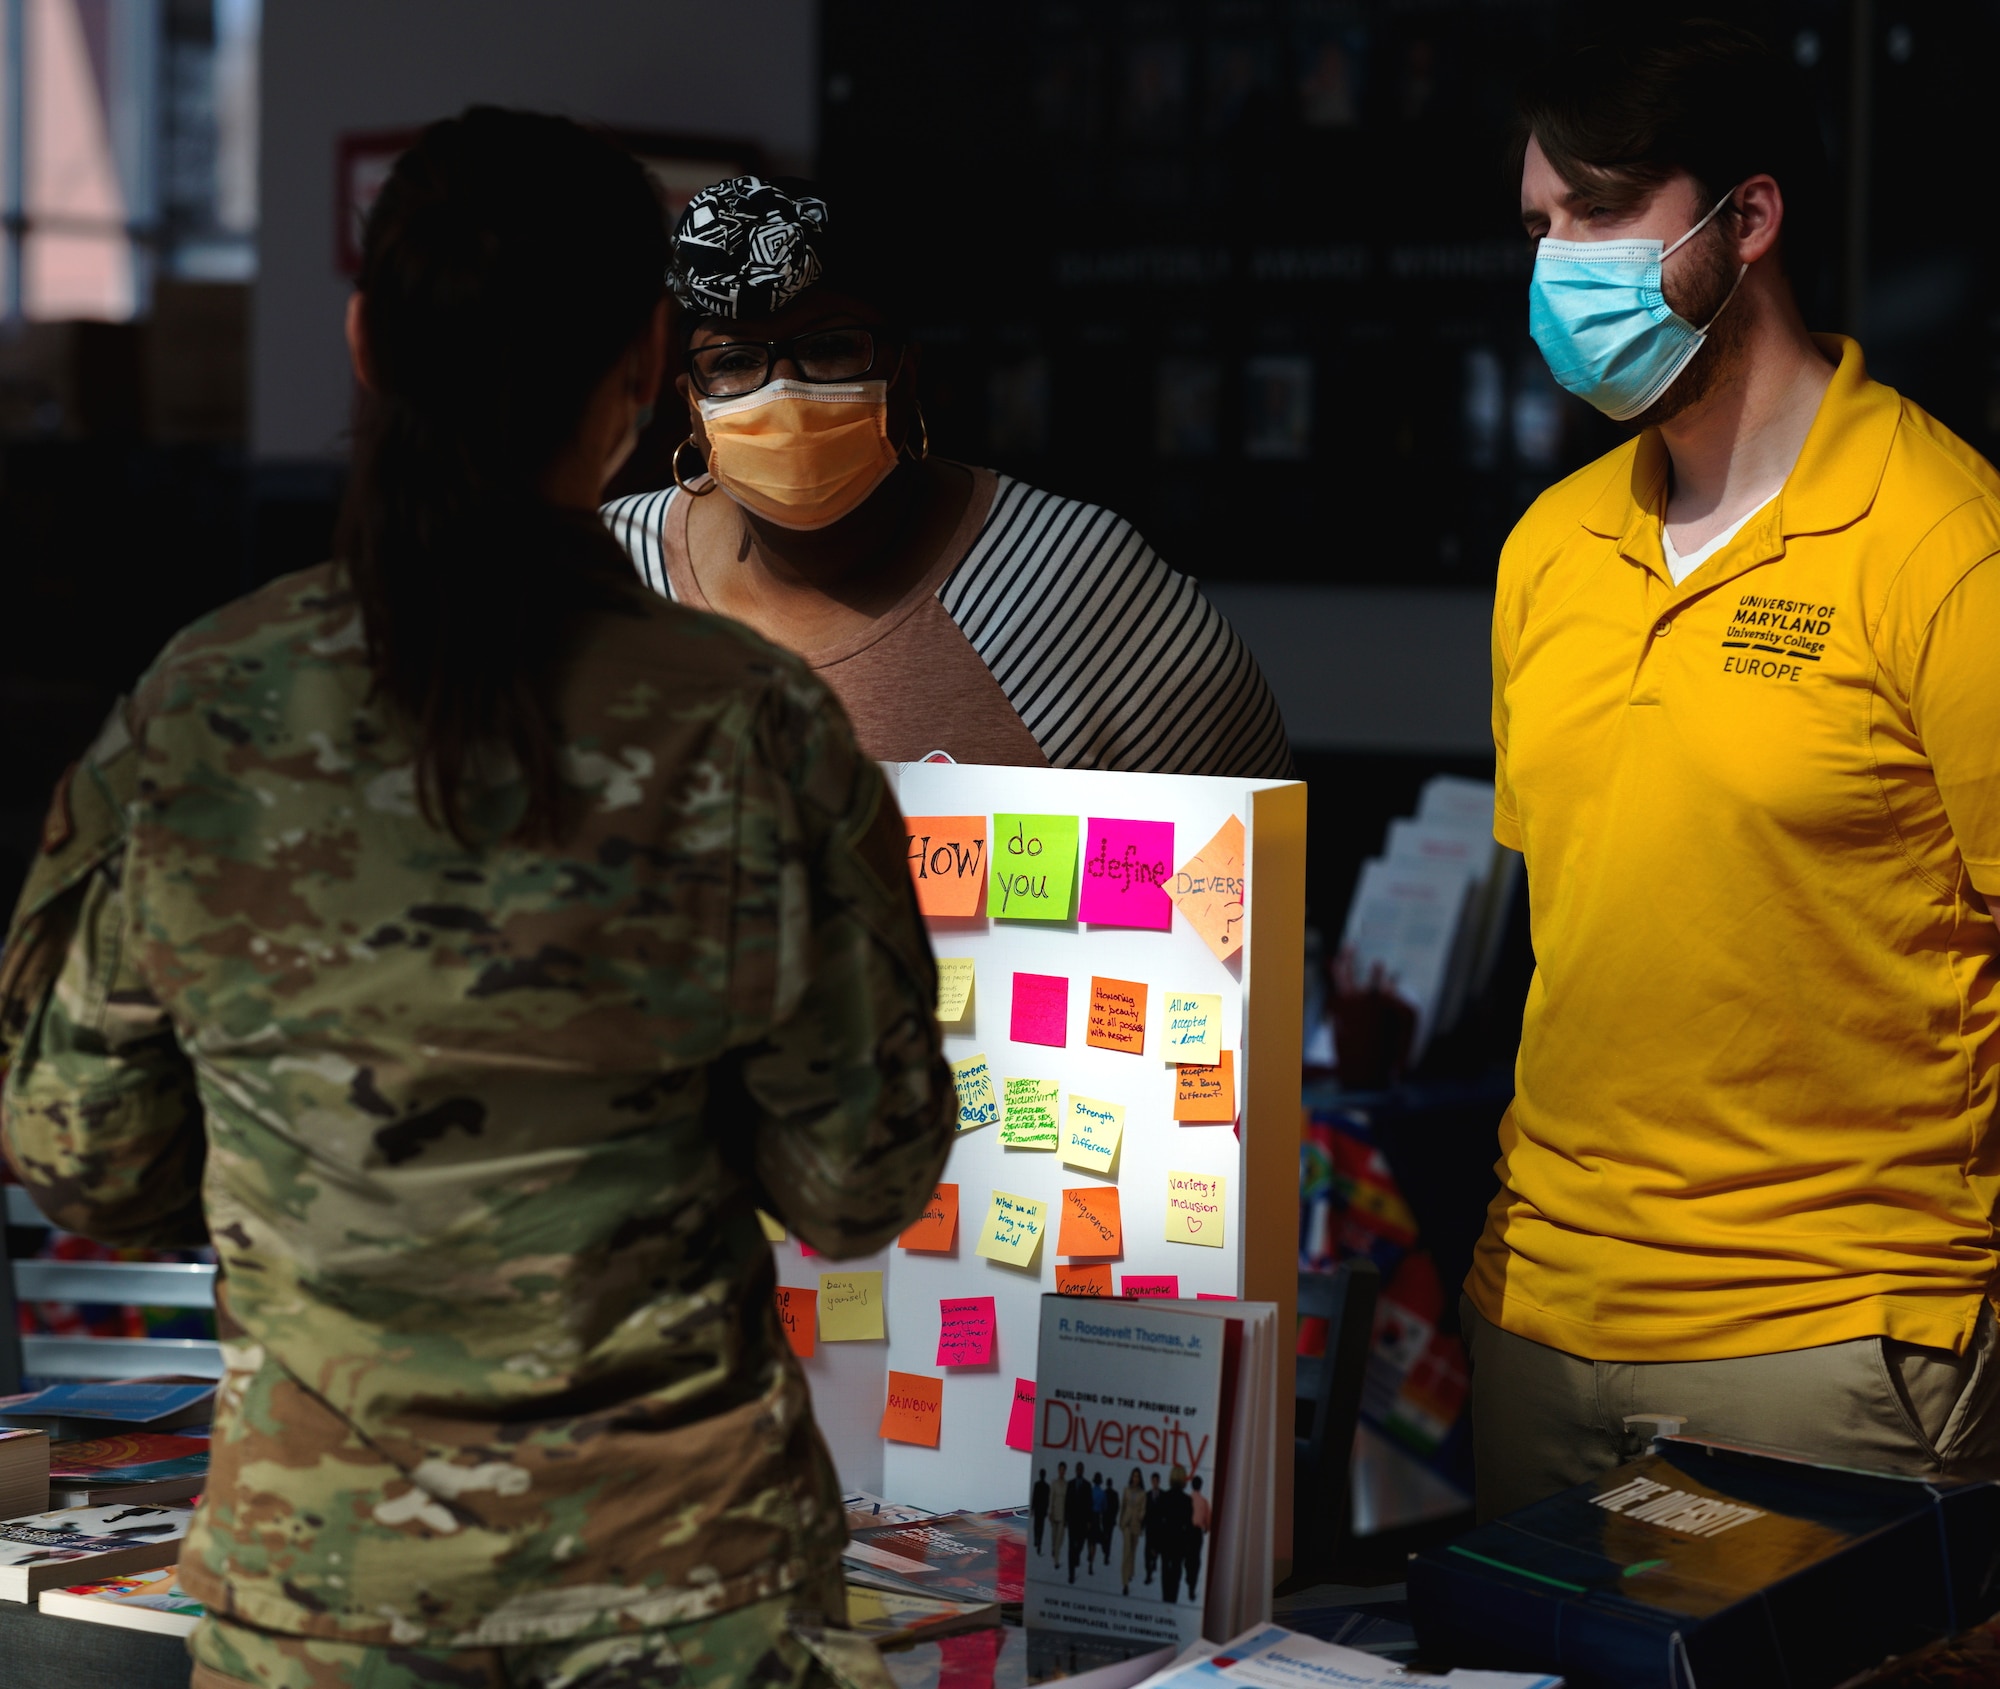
{"x":1747,"y":719}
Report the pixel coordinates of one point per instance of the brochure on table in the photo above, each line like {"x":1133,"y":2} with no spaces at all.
{"x":1151,"y":1211}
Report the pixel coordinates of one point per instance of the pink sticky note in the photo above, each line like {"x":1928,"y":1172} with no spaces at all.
{"x":1021,"y":1417}
{"x":1150,"y":1284}
{"x":1126,"y":867}
{"x":806,"y":1249}
{"x":965,"y":1330}
{"x":1211,"y":1296}
{"x":1041,"y":1009}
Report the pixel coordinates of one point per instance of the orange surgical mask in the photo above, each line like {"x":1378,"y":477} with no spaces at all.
{"x":802,"y":454}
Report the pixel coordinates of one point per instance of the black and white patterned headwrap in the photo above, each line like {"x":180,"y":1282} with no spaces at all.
{"x":746,"y":248}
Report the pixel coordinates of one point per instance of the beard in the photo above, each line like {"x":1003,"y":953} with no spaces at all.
{"x":1700,"y":296}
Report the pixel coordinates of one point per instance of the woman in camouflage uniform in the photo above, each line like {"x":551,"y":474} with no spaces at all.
{"x":468,"y":941}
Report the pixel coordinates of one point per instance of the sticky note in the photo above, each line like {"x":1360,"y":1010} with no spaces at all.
{"x":1117,"y":1019}
{"x":1041,"y":1010}
{"x":1014,"y":1227}
{"x":933,"y":1230}
{"x":1191,"y":1027}
{"x":947,"y":861}
{"x":1021,"y":1416}
{"x":1094,"y":1280}
{"x":1211,"y":1296}
{"x":1194,"y":1208}
{"x":1029,"y":1117}
{"x":1090,"y":1134}
{"x":977,"y":1105}
{"x":797,"y":1311}
{"x":1208,"y":890}
{"x":1206,"y":1094}
{"x":965,"y":1330}
{"x":1150,"y":1284}
{"x":774,"y":1228}
{"x":914,"y":1411}
{"x":1126,"y":866}
{"x":850,"y":1308}
{"x":954,"y":987}
{"x":1090,"y":1222}
{"x":1033,"y":867}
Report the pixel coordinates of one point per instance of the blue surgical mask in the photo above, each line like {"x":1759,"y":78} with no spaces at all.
{"x":1596,"y":309}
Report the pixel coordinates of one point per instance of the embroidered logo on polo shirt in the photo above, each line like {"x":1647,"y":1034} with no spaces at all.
{"x":1774,"y":638}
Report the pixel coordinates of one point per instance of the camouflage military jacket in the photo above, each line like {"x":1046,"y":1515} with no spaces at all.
{"x":484,"y":1130}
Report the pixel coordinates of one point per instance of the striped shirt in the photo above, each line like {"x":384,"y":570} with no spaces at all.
{"x":1106,"y":657}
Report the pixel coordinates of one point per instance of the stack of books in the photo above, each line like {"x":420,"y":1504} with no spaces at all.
{"x":91,"y":1524}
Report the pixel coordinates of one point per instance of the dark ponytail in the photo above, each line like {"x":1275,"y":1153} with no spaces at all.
{"x":509,"y":263}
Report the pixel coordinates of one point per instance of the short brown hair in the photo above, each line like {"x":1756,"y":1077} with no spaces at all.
{"x":1625,"y":108}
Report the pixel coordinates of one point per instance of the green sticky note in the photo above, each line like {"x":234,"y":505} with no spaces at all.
{"x":1031,"y":872}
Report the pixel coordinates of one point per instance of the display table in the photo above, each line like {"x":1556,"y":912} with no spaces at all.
{"x":37,"y":1652}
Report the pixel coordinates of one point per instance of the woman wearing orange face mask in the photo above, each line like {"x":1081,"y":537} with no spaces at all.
{"x":948,"y":607}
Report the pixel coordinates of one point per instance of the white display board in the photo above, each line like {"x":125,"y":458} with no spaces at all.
{"x":1260,"y":988}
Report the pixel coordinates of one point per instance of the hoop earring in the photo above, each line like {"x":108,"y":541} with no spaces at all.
{"x":923,"y":439}
{"x":674,"y":463}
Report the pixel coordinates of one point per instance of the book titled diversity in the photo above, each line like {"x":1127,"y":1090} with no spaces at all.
{"x":1153,"y":1467}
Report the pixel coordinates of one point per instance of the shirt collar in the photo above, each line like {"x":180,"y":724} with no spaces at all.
{"x":1833,"y":483}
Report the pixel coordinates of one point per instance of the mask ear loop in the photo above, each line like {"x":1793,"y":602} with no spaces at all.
{"x":1742,"y":269}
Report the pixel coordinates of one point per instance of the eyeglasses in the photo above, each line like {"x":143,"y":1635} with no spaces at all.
{"x":829,"y":354}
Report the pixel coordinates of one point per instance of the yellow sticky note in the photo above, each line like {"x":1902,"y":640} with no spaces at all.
{"x":1195,"y":1202}
{"x":774,"y":1229}
{"x":850,"y":1307}
{"x":1191,"y":1027}
{"x":1030,"y":1120}
{"x":1091,"y":1131}
{"x":954,"y":987}
{"x":1013,"y":1232}
{"x":977,"y":1105}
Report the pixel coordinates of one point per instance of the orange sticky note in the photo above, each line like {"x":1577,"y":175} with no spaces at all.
{"x":1208,"y":890}
{"x":1090,"y":1222}
{"x":932,"y":1231}
{"x":1206,"y":1095}
{"x":914,"y":1412}
{"x":1083,"y":1281}
{"x":1117,"y":1016}
{"x":798,"y":1312}
{"x":947,"y":855}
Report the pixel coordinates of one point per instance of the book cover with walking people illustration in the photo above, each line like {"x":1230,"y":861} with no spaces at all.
{"x":1129,"y":1426}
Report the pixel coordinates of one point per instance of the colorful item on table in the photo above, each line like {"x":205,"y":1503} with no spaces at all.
{"x":954,"y":988}
{"x":1033,"y":868}
{"x":850,"y":1308}
{"x":1206,"y":1095}
{"x":1126,"y":866}
{"x":1013,"y":1230}
{"x":1117,"y":1016}
{"x":1194,"y":1208}
{"x":1093,"y":1280}
{"x":1191,"y":1027}
{"x":1091,"y":1223}
{"x":1208,"y":890}
{"x":947,"y":861}
{"x":1021,"y":1415}
{"x":965,"y":1330}
{"x":977,"y":1105}
{"x":798,"y":1313}
{"x":932,"y":1231}
{"x":1030,"y":1120}
{"x":914,"y":1410}
{"x":1041,"y":1010}
{"x":1148,"y":1285}
{"x":1091,"y":1130}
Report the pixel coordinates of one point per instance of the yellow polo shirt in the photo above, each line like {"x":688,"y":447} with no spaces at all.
{"x":1754,"y":1101}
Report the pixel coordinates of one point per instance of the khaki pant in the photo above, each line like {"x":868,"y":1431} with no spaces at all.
{"x":1543,"y":1420}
